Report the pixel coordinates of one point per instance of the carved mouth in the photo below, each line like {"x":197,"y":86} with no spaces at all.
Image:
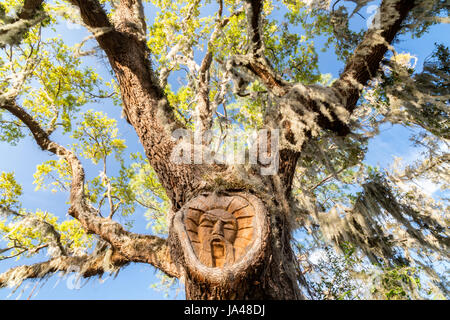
{"x":217,"y":238}
{"x":218,"y":248}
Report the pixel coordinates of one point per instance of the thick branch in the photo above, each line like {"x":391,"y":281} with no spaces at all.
{"x":311,"y":108}
{"x":30,"y":9}
{"x":204,"y":109}
{"x":29,"y":15}
{"x":255,"y":60}
{"x":365,"y":61}
{"x":144,"y":102}
{"x":88,"y":266}
{"x":93,"y":14}
{"x":261,"y":68}
{"x":135,"y":247}
{"x":254,"y":10}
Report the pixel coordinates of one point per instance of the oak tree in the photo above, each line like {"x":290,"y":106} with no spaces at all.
{"x":186,"y":73}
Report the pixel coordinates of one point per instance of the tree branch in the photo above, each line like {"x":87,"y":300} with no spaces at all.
{"x":204,"y":111}
{"x":255,"y":61}
{"x":87,"y":265}
{"x":30,"y":8}
{"x":307,"y":109}
{"x":49,"y":228}
{"x":331,"y":107}
{"x":365,"y":61}
{"x":29,"y":15}
{"x":135,"y":247}
{"x":144,"y":102}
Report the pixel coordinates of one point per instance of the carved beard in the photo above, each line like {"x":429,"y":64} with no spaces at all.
{"x":215,"y":250}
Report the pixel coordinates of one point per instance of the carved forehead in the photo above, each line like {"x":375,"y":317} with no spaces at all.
{"x":218,"y":214}
{"x":233,"y":209}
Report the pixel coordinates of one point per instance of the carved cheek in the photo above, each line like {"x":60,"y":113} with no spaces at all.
{"x":229,"y":232}
{"x":204,"y":232}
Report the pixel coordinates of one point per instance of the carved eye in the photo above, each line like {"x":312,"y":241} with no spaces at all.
{"x":229,"y":226}
{"x":206,"y":222}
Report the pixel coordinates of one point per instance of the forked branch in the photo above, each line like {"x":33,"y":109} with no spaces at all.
{"x":134,"y":247}
{"x":256,"y":61}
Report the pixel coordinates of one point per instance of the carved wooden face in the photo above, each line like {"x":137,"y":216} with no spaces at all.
{"x":220,"y":229}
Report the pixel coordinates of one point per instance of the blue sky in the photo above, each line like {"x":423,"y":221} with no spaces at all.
{"x":135,"y":280}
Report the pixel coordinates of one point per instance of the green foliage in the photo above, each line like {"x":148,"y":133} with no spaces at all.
{"x":51,"y":80}
{"x":10,"y":191}
{"x":290,"y":53}
{"x":398,"y":283}
{"x":150,"y":194}
{"x":25,"y":233}
{"x":181,"y":101}
{"x":58,"y":172}
{"x":97,"y":137}
{"x":10,"y":129}
{"x":30,"y":232}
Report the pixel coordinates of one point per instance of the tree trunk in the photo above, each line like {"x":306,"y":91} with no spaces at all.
{"x":271,"y":272}
{"x":234,"y":245}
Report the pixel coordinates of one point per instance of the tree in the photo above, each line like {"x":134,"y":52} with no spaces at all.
{"x":229,"y":226}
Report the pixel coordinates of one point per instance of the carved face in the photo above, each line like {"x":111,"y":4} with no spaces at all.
{"x":220,"y":229}
{"x":216,"y":232}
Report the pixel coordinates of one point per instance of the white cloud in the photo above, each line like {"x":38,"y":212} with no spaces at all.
{"x":318,"y":256}
{"x":428,"y":186}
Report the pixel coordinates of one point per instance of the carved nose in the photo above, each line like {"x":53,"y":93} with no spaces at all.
{"x":218,"y":228}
